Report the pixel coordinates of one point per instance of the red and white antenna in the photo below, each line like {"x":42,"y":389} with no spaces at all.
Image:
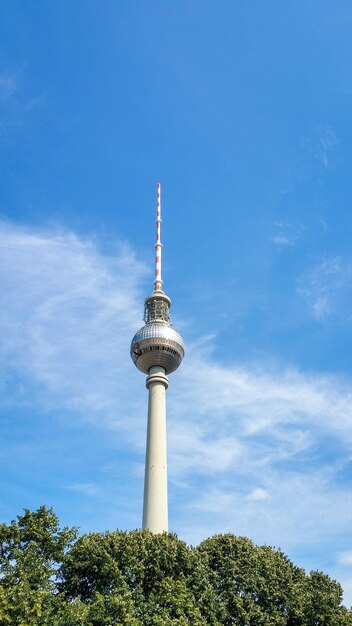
{"x":158,"y":283}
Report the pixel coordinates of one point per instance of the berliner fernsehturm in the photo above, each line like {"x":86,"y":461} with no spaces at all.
{"x":157,"y":349}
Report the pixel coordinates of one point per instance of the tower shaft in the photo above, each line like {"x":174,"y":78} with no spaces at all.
{"x":155,"y":506}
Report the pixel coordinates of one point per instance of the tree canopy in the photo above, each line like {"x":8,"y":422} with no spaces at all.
{"x":50,"y":577}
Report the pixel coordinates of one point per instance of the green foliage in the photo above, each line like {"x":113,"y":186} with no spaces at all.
{"x":323,"y":602}
{"x":159,"y":578}
{"x":254,"y":585}
{"x":48,"y":578}
{"x":260,"y":586}
{"x":32,"y":547}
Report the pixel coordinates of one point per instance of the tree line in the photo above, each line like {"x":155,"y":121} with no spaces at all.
{"x":49,"y":576}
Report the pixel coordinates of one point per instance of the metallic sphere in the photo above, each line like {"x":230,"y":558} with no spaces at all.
{"x":157,"y":343}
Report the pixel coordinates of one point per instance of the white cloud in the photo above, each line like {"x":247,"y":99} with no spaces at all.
{"x":259,"y":398}
{"x":287,"y":234}
{"x":87,"y":489}
{"x":215,"y":501}
{"x":327,"y":288}
{"x":8,"y":85}
{"x":346,"y":558}
{"x":194,"y":447}
{"x":16,"y":102}
{"x":326,"y":140}
{"x":258,"y":494}
{"x":68,"y":314}
{"x":284,"y":240}
{"x":320,"y":145}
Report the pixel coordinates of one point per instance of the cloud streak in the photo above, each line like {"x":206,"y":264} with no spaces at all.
{"x":67,"y":316}
{"x":287,"y":234}
{"x":320,"y":145}
{"x":327,"y":288}
{"x":8,"y":86}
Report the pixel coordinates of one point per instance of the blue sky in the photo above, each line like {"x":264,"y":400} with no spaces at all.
{"x":242,"y":111}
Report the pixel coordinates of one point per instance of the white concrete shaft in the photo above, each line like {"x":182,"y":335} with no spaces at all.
{"x":155,"y":507}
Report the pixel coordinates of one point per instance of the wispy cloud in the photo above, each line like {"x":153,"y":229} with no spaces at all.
{"x":16,"y":102}
{"x":68,"y":314}
{"x":284,"y":240}
{"x":326,"y":141}
{"x":287,"y":234}
{"x":258,"y":494}
{"x":288,"y":432}
{"x":87,"y":489}
{"x":327,"y":288}
{"x":321,"y":144}
{"x":346,"y":558}
{"x":8,"y":85}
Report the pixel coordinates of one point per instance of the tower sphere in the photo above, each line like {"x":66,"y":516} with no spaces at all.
{"x":157,"y":343}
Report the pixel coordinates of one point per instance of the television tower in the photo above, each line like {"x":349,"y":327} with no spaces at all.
{"x":157,"y":349}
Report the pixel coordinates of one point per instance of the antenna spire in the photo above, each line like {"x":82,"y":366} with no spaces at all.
{"x":158,"y":283}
